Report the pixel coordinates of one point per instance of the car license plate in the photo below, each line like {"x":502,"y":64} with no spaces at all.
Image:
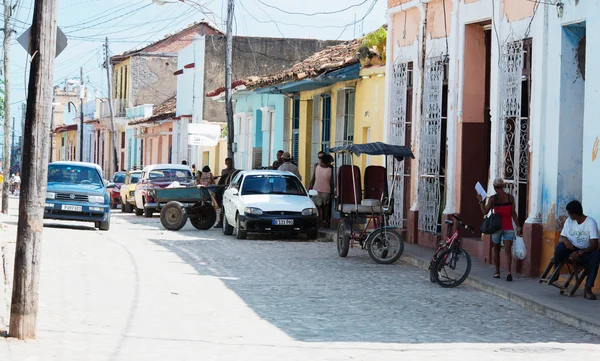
{"x":283,"y":222}
{"x":66,"y":207}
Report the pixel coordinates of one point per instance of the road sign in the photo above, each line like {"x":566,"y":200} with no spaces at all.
{"x":61,"y":41}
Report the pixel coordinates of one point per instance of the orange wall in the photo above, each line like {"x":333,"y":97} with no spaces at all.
{"x":406,"y":21}
{"x":392,"y":3}
{"x":474,"y":74}
{"x":518,"y":9}
{"x":435,"y":19}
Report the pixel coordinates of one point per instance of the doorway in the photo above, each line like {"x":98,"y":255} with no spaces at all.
{"x":474,"y":132}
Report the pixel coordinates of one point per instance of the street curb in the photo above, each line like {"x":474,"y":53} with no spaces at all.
{"x":518,"y":298}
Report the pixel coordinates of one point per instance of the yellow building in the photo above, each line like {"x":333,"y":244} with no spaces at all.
{"x":66,"y":139}
{"x":343,"y":113}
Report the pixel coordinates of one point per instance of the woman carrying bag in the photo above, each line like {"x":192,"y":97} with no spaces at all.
{"x":503,"y":205}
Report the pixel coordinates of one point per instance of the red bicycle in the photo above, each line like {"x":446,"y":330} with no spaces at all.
{"x":450,"y":265}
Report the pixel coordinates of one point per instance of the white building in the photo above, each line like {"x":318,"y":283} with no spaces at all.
{"x":496,"y":89}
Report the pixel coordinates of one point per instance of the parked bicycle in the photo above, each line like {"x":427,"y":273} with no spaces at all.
{"x":450,"y":265}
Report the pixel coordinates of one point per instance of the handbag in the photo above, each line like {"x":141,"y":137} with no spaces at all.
{"x":491,"y":223}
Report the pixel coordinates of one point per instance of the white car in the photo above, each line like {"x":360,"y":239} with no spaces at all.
{"x":265,"y":201}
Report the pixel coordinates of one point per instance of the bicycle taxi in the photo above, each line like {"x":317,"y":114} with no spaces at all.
{"x":364,"y":216}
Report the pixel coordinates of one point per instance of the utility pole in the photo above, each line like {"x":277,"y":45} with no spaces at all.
{"x":13,"y":146}
{"x":228,"y":74}
{"x":51,"y":125}
{"x":110,"y":107}
{"x":81,"y":94}
{"x":25,"y":293}
{"x":6,"y":163}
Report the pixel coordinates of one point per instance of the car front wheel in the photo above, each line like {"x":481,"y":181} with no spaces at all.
{"x":239,"y":233}
{"x":104,"y":226}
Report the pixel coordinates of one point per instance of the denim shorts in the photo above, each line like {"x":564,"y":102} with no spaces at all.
{"x":500,"y":236}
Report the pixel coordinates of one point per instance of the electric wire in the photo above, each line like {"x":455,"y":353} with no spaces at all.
{"x":313,"y":14}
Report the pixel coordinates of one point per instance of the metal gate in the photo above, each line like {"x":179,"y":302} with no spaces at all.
{"x":514,"y":160}
{"x":397,"y":137}
{"x":431,"y":131}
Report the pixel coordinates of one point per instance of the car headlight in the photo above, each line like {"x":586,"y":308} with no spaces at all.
{"x":96,"y":199}
{"x":50,"y":195}
{"x":254,"y":211}
{"x":309,"y":212}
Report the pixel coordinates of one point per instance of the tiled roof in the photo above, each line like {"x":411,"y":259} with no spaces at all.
{"x":329,"y":59}
{"x":173,"y":42}
{"x":164,"y":111}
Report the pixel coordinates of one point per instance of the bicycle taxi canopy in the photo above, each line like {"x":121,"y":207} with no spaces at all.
{"x":399,"y":152}
{"x":349,"y":195}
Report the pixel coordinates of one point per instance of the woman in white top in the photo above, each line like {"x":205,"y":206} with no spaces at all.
{"x":579,"y":239}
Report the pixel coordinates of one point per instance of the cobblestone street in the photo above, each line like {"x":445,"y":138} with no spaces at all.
{"x":139,"y":292}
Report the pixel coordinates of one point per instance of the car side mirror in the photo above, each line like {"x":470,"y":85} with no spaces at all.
{"x":313,"y":193}
{"x":110,"y":185}
{"x":234,"y":192}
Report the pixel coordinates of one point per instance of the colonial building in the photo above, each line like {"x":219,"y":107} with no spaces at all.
{"x":484,"y":89}
{"x":201,"y":69}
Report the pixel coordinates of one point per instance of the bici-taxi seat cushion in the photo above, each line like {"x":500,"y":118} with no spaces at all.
{"x":348,"y":187}
{"x":375,"y":182}
{"x":366,"y":206}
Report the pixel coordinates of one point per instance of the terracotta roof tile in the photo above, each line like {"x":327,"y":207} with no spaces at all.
{"x":329,"y":59}
{"x":164,"y":111}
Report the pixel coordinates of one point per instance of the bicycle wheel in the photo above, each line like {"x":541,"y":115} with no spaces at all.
{"x":343,"y":240}
{"x":452,"y":267}
{"x":385,"y":246}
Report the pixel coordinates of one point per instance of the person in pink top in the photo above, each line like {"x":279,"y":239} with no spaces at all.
{"x":322,"y":182}
{"x":503,"y":205}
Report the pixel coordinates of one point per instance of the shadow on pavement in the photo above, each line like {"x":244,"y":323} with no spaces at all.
{"x":307,"y":291}
{"x":69,"y":226}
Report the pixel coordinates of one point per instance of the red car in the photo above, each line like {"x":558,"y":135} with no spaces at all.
{"x":158,"y":176}
{"x":115,"y":194}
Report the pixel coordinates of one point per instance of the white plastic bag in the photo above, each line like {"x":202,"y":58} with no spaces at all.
{"x":518,"y":250}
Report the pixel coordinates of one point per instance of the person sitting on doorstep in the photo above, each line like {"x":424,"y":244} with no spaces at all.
{"x":579,"y":239}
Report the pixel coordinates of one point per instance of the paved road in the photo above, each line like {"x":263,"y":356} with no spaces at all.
{"x":139,"y":292}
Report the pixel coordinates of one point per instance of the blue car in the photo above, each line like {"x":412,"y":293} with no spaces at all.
{"x":77,"y":192}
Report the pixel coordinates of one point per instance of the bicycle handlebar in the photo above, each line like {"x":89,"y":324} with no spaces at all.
{"x":461,"y":223}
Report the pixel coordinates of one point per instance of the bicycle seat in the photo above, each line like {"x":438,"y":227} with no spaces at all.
{"x":447,"y":221}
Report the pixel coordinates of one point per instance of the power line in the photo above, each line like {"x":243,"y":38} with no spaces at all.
{"x":100,"y":16}
{"x":312,"y":14}
{"x":112,"y":19}
{"x":358,"y":21}
{"x":271,"y":21}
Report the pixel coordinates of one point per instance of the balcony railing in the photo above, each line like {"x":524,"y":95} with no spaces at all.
{"x":119,"y":108}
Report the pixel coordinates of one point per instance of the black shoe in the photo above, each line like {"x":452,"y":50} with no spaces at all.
{"x":588,"y":295}
{"x":509,"y":277}
{"x":219,"y":225}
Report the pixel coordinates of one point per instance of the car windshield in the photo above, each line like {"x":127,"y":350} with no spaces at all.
{"x":134,"y":178}
{"x":272,"y":184}
{"x":119,"y":178}
{"x":173,"y":174}
{"x":62,"y":173}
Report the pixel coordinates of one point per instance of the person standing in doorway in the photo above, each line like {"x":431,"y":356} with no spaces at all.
{"x":288,"y":165}
{"x":17,"y":183}
{"x":503,"y":204}
{"x":279,"y":161}
{"x":322,"y":182}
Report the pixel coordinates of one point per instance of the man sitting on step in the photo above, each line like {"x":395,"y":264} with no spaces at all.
{"x":579,"y":239}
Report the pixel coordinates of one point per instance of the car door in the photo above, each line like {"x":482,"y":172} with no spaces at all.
{"x":228,"y":199}
{"x":138,"y":191}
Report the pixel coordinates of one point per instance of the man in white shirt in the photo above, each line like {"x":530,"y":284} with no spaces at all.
{"x":579,"y":239}
{"x":289,"y":166}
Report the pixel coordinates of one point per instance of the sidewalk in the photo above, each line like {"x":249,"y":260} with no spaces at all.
{"x":524,"y":291}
